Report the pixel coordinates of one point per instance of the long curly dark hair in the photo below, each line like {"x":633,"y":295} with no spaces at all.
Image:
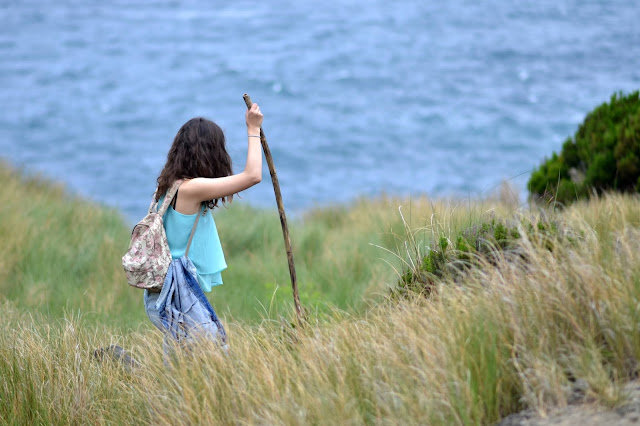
{"x":198,"y":150}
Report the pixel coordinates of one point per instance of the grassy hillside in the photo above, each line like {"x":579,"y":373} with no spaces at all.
{"x":61,"y":253}
{"x":519,"y":331}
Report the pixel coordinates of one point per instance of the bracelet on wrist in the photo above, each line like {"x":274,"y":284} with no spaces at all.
{"x":254,"y":136}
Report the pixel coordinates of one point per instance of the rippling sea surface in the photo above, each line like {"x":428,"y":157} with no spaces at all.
{"x":360,"y":97}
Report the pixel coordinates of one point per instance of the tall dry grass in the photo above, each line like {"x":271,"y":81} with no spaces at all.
{"x":510,"y":335}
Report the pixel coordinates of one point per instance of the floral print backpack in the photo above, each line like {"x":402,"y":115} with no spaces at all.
{"x":147,"y":261}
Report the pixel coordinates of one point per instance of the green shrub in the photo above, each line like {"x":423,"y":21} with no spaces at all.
{"x":603,"y":155}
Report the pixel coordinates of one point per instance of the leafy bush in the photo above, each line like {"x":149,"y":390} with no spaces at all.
{"x":604,"y":154}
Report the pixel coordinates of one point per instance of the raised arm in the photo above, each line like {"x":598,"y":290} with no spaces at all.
{"x":201,"y":189}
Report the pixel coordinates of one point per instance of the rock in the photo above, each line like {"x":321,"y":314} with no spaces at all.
{"x":576,"y":175}
{"x":578,"y":392}
{"x":118,"y":354}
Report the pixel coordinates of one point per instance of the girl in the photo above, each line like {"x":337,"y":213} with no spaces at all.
{"x":198,"y":158}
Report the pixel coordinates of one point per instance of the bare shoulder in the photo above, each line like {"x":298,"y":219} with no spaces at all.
{"x":202,"y":189}
{"x":194,"y":188}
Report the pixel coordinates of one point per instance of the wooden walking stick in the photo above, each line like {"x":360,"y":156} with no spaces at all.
{"x":283,"y":218}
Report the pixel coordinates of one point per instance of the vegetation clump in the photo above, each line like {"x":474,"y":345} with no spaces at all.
{"x":476,"y":247}
{"x":603,"y":155}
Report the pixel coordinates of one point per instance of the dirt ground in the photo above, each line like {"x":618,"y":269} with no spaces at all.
{"x":584,"y":414}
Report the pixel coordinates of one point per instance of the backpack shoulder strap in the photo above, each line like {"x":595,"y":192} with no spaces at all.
{"x":195,"y":225}
{"x":167,"y":199}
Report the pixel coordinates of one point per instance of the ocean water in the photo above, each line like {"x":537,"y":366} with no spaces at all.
{"x":360,"y":97}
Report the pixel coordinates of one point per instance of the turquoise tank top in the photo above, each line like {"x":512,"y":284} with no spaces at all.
{"x":205,"y":251}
